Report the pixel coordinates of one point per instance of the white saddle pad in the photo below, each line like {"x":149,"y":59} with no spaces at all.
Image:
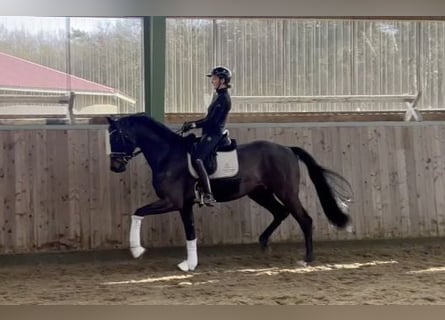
{"x":227,"y":165}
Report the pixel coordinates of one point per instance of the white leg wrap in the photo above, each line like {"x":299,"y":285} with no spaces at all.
{"x":349,"y":228}
{"x":135,"y":236}
{"x":192,"y":257}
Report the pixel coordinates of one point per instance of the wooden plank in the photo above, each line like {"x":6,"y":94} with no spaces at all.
{"x":74,"y":171}
{"x":64,"y":224}
{"x":40,"y":190}
{"x":30,"y":176}
{"x":263,"y":117}
{"x":290,"y":117}
{"x":79,"y":191}
{"x":95,"y":191}
{"x":336,"y":166}
{"x":345,"y":139}
{"x":429,"y":208}
{"x":440,"y":181}
{"x":403,"y":188}
{"x":410,"y":153}
{"x":59,"y":179}
{"x":375,"y":222}
{"x":9,"y":193}
{"x":366,"y":182}
{"x":327,"y":160}
{"x":321,"y":142}
{"x":383,"y":151}
{"x":355,"y":172}
{"x":22,"y":241}
{"x":438,"y":166}
{"x":84,"y":187}
{"x":421,"y":172}
{"x":392,"y":221}
{"x":106,"y":211}
{"x":3,"y":188}
{"x":324,"y":98}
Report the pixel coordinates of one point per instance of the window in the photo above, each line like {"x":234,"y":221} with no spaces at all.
{"x":310,"y":58}
{"x":99,"y":60}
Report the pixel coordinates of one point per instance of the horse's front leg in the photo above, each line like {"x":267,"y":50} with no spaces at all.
{"x":157,"y":207}
{"x":189,"y":227}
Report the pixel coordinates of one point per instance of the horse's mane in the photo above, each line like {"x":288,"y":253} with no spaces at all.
{"x":156,"y":126}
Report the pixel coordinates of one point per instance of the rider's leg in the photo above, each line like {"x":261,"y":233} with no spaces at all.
{"x":204,"y":149}
{"x":205,"y":182}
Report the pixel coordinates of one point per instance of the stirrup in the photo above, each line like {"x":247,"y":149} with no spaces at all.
{"x":209,"y":200}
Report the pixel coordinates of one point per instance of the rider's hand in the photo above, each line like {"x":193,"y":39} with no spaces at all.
{"x":188,"y":126}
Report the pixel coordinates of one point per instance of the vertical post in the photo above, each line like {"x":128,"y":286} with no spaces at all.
{"x":71,"y":107}
{"x":418,"y":57}
{"x":68,"y":70}
{"x":412,"y":112}
{"x":154,"y":66}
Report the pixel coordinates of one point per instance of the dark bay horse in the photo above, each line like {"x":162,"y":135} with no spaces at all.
{"x":268,"y":174}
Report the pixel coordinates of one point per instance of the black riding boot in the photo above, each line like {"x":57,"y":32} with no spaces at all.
{"x":205,"y":182}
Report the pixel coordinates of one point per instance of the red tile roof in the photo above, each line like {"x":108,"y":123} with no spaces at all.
{"x":17,"y":73}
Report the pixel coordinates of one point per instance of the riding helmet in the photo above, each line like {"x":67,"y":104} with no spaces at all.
{"x":221,"y":72}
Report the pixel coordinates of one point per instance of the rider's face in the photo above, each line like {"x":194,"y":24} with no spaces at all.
{"x":216,"y":82}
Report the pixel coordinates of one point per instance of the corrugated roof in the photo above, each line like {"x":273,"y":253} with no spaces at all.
{"x":17,"y":73}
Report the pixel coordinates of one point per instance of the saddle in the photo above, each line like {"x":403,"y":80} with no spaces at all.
{"x":222,"y":162}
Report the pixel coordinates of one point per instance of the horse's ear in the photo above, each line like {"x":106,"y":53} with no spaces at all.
{"x":111,"y":120}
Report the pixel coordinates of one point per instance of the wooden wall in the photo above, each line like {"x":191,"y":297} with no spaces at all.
{"x":57,"y":192}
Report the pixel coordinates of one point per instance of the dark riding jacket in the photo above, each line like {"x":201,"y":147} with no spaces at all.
{"x":215,"y":121}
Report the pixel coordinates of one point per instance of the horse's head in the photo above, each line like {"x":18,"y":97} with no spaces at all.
{"x":122,"y":145}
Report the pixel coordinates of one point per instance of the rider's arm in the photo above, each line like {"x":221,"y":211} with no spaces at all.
{"x":200,"y":122}
{"x":217,"y":114}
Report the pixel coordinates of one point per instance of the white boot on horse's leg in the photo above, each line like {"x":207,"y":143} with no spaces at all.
{"x":349,"y":228}
{"x":135,"y":237}
{"x":302,"y":263}
{"x":192,"y":257}
{"x":137,"y":252}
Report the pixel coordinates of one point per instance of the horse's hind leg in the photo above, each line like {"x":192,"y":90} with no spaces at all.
{"x":266,"y":199}
{"x":305,"y":221}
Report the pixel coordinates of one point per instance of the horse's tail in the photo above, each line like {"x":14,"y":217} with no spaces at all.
{"x":332,"y":200}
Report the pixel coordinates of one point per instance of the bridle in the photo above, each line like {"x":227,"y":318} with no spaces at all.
{"x":124,"y":156}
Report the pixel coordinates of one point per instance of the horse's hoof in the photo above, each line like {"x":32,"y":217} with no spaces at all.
{"x":137,"y":252}
{"x":266,"y":249}
{"x":349,"y":228}
{"x":302,"y":263}
{"x":184,"y":266}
